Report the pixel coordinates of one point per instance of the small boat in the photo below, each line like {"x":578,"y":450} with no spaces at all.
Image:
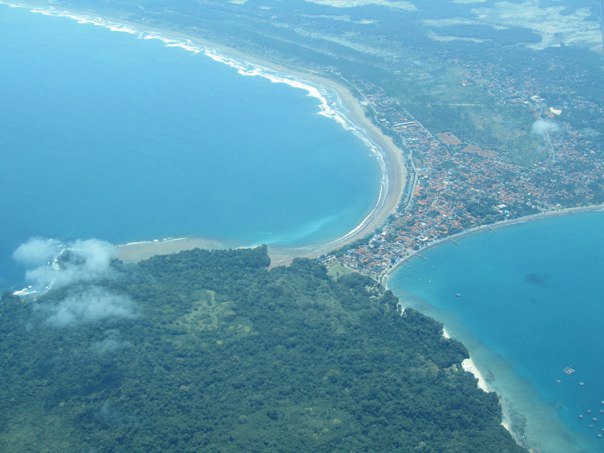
{"x":457,"y":294}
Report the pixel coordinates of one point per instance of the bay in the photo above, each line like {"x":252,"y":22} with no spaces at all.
{"x":528,"y":301}
{"x":124,"y":139}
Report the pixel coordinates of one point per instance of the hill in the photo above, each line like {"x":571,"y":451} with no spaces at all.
{"x":211,"y":351}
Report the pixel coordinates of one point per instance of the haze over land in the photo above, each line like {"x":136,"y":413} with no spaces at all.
{"x":213,"y":351}
{"x":473,"y":114}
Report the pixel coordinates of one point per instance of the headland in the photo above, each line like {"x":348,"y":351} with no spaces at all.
{"x":335,"y":101}
{"x":514,"y":278}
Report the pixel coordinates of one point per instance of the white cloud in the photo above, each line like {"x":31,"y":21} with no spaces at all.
{"x":37,"y":252}
{"x":88,"y":306}
{"x":399,"y":4}
{"x":53,"y":264}
{"x":541,"y":127}
{"x":110,"y":343}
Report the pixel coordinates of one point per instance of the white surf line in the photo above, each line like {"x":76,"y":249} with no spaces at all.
{"x":152,"y":241}
{"x":469,"y":366}
{"x":322,"y":94}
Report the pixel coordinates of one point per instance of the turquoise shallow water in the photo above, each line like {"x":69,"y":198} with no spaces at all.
{"x":533,"y":296}
{"x":110,"y":136}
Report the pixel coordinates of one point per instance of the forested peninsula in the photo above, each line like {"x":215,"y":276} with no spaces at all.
{"x":212,"y":351}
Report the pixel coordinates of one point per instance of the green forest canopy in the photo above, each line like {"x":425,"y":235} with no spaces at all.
{"x":217,"y":353}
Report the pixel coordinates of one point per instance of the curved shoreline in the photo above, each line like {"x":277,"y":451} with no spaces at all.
{"x":392,"y":168}
{"x":385,"y":276}
{"x":523,"y":414}
{"x":335,"y":102}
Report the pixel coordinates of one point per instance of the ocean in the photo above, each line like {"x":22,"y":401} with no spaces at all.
{"x":112,"y":136}
{"x":528,"y":301}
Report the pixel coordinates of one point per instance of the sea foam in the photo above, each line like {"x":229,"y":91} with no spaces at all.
{"x":329,"y":102}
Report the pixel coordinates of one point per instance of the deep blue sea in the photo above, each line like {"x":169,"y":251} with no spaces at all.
{"x":110,"y":136}
{"x":531,"y":302}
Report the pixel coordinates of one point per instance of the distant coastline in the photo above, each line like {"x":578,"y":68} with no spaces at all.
{"x":335,"y":102}
{"x":344,"y":108}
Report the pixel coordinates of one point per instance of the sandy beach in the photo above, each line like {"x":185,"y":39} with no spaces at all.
{"x":138,"y":251}
{"x":388,"y":202}
{"x":533,"y":422}
{"x":346,"y":110}
{"x":394,"y":176}
{"x":389,"y":156}
{"x":469,"y":366}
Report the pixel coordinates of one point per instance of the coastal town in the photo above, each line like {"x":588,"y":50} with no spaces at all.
{"x":460,"y":173}
{"x":455,"y":186}
{"x":468,"y":118}
{"x":478,"y":163}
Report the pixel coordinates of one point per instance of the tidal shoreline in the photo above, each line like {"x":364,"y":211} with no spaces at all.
{"x":393,"y":169}
{"x":532,"y":421}
{"x":335,"y":101}
{"x":133,"y":252}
